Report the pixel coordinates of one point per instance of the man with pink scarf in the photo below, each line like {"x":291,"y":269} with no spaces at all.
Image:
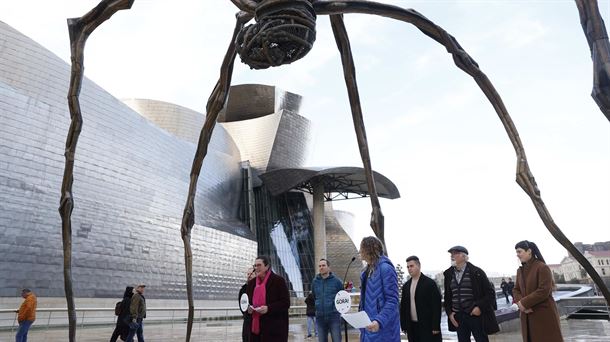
{"x":269,"y":303}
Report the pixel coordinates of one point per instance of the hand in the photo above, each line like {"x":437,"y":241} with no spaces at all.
{"x":373,"y":327}
{"x":250,"y":309}
{"x":527,"y":311}
{"x":435,"y":332}
{"x":452,"y":319}
{"x":475,"y":311}
{"x":263,"y":309}
{"x":521,"y":307}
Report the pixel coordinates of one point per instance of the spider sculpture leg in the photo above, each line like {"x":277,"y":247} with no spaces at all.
{"x":597,"y":37}
{"x":525,"y":178}
{"x":79,"y":29}
{"x":349,"y":72}
{"x":213,"y":107}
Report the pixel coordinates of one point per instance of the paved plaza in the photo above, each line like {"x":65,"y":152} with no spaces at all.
{"x":573,"y":330}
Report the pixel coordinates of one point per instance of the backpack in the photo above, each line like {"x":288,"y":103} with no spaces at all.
{"x":118,"y":308}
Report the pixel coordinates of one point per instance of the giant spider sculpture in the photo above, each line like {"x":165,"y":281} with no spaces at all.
{"x":284,"y":31}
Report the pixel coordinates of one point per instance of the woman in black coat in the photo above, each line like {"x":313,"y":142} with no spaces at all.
{"x":122,"y":322}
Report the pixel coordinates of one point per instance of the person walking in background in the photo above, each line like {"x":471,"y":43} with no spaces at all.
{"x":26,"y":315}
{"x":325,"y":286}
{"x":510,"y":286}
{"x":379,"y":293}
{"x":124,"y":317}
{"x":137,"y":311}
{"x":420,"y":305}
{"x":247,"y":325}
{"x":269,"y":304}
{"x":533,"y":293}
{"x":310,"y":301}
{"x":504,"y":287}
{"x":469,"y":299}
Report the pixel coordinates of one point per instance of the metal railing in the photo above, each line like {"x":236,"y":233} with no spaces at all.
{"x":574,"y":304}
{"x":47,"y":318}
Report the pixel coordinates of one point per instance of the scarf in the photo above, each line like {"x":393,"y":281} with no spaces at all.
{"x":259,"y":298}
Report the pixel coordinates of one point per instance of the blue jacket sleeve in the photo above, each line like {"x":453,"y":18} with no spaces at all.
{"x":390,"y":292}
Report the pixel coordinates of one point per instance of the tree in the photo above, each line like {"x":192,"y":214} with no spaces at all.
{"x":401,"y":275}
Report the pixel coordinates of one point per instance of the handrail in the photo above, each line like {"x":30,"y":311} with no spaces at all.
{"x":105,"y":315}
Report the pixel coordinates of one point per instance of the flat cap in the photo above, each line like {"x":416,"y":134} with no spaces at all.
{"x":461,"y":249}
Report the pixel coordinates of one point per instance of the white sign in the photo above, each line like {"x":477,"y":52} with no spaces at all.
{"x":343,"y":301}
{"x":358,"y":320}
{"x":244,"y":302}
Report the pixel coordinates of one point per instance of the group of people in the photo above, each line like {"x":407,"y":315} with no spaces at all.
{"x":468,"y":300}
{"x":131,"y":312}
{"x":507,"y":288}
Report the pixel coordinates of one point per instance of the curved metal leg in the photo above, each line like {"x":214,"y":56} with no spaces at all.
{"x":215,"y":103}
{"x":349,"y":72}
{"x":597,"y":37}
{"x":79,"y":30}
{"x":462,"y":60}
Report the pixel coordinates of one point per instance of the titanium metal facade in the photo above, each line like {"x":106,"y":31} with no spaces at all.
{"x":265,"y":124}
{"x":131,"y":180}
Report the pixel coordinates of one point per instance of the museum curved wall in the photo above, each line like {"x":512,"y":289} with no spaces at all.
{"x":130,"y":184}
{"x":180,"y":121}
{"x":265,"y":123}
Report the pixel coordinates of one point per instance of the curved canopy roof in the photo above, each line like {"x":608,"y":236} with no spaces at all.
{"x":340,"y":181}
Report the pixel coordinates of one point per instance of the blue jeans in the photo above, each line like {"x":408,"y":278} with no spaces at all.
{"x":22,"y":333}
{"x":311,"y":321}
{"x":136,"y":329}
{"x":331,"y":324}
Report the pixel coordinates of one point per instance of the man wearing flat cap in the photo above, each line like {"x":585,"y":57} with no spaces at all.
{"x":469,"y":298}
{"x":137,"y":309}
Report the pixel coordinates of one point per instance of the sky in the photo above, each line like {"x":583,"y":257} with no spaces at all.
{"x":430,"y":128}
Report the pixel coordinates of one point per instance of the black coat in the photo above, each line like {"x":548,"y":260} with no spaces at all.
{"x":427,"y":305}
{"x":273,"y":324}
{"x":484,"y":297}
{"x":247,"y":325}
{"x":122,"y":323}
{"x":310,"y":301}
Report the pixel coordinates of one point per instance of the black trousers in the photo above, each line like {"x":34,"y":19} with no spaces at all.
{"x":416,"y":333}
{"x":468,"y":325}
{"x":245,"y":329}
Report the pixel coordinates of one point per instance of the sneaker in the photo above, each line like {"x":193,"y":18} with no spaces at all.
{"x":309,"y":336}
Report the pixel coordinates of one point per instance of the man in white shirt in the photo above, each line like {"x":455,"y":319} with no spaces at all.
{"x":420,"y":305}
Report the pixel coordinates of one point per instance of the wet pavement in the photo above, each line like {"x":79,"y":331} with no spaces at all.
{"x":573,"y":330}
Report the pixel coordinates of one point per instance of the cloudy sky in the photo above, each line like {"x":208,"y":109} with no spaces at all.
{"x":430,"y":128}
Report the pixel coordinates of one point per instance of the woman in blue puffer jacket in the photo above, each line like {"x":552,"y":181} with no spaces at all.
{"x":379,"y":293}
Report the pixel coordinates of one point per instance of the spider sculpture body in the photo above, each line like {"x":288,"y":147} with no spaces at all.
{"x":284,"y":32}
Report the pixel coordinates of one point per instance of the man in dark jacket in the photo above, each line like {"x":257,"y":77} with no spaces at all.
{"x":504,"y":287}
{"x":122,"y":322}
{"x":137,"y":310}
{"x":420,"y":306}
{"x":325,"y":287}
{"x":469,"y":299}
{"x":245,"y":329}
{"x":269,"y":304}
{"x":509,"y":288}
